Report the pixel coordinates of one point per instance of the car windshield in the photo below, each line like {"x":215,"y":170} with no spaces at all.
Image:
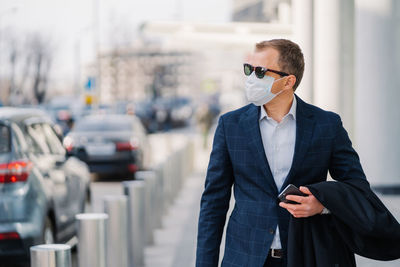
{"x":4,"y":139}
{"x":103,"y":124}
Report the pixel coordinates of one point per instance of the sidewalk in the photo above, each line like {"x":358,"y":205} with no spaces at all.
{"x":174,"y":244}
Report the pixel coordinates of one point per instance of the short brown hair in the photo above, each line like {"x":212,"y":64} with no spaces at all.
{"x":291,"y":59}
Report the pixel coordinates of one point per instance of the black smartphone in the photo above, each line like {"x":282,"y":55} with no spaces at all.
{"x":290,"y":190}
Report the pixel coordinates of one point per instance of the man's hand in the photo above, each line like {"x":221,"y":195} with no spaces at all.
{"x":309,"y":205}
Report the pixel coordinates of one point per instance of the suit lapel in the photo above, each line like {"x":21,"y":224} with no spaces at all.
{"x":250,"y":123}
{"x":304,"y":131}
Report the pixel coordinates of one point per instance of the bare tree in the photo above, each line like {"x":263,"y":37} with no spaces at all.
{"x":41,"y":55}
{"x":13,"y":63}
{"x":27,"y":67}
{"x":11,"y":53}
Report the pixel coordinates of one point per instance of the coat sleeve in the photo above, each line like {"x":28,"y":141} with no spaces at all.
{"x":345,"y":163}
{"x":215,"y":201}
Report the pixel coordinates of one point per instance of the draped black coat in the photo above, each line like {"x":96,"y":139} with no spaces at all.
{"x":359,"y":223}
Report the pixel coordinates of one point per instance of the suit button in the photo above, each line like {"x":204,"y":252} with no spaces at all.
{"x":271,"y":231}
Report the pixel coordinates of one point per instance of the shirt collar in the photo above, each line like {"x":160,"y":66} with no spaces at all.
{"x":292,"y":111}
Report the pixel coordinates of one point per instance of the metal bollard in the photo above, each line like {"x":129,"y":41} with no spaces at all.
{"x":177,"y":173}
{"x":184,"y":163}
{"x":174,"y":175}
{"x":161,"y":197}
{"x":92,"y":238}
{"x":149,"y":177}
{"x":181,"y":165}
{"x":167,"y":183}
{"x":135,"y":190}
{"x":158,"y":199}
{"x":117,"y":230}
{"x":191,"y":157}
{"x":51,"y":255}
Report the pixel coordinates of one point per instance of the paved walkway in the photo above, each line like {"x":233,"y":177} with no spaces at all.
{"x":175,"y":242}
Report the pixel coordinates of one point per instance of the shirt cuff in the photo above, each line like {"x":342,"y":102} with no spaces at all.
{"x":325,"y":211}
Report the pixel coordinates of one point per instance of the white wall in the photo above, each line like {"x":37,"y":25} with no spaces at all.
{"x":377,"y":94}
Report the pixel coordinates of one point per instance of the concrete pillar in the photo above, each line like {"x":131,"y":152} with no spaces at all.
{"x":303,"y":36}
{"x":334,"y":58}
{"x":377,"y":94}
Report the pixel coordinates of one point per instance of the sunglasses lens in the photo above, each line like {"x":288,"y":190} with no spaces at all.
{"x":247,"y":69}
{"x":260,"y":72}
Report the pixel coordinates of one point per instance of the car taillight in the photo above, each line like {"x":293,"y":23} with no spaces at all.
{"x":69,"y":148}
{"x":9,"y":236}
{"x":133,"y":168}
{"x":125,"y":146}
{"x":13,"y":172}
{"x":68,"y":143}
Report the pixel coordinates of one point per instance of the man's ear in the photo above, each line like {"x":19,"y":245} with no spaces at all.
{"x":290,"y":81}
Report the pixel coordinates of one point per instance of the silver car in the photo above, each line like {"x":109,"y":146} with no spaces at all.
{"x":41,"y":188}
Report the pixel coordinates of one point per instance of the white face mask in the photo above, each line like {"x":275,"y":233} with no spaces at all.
{"x":258,"y":91}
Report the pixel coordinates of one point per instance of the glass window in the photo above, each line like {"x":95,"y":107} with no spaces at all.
{"x":5,"y":145}
{"x":103,"y":125}
{"x":44,"y":140}
{"x":37,"y":139}
{"x":18,"y":140}
{"x":52,"y":140}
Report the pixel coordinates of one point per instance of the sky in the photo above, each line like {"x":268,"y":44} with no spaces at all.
{"x":68,"y":24}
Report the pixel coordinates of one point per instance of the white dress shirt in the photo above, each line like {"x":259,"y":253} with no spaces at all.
{"x":279,"y":141}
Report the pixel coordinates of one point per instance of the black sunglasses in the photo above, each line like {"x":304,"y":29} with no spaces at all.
{"x":260,"y":71}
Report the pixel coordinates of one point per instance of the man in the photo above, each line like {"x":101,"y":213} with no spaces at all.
{"x":261,"y":148}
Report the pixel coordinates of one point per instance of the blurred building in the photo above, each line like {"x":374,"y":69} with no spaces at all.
{"x":143,"y":73}
{"x":351,"y":53}
{"x":220,"y":49}
{"x":271,"y":11}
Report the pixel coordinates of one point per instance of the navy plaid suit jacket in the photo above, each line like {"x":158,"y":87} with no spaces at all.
{"x":238,"y":159}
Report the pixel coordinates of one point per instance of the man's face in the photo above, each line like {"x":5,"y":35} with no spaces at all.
{"x":268,"y":58}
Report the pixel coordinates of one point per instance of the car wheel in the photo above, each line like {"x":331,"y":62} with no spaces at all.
{"x":48,"y":232}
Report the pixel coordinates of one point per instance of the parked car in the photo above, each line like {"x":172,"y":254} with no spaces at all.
{"x":110,"y":144}
{"x":41,"y":189}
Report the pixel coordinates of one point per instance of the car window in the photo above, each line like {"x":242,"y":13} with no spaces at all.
{"x":103,"y":125}
{"x":52,"y":140}
{"x":5,"y":145}
{"x":37,"y":139}
{"x":18,"y":140}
